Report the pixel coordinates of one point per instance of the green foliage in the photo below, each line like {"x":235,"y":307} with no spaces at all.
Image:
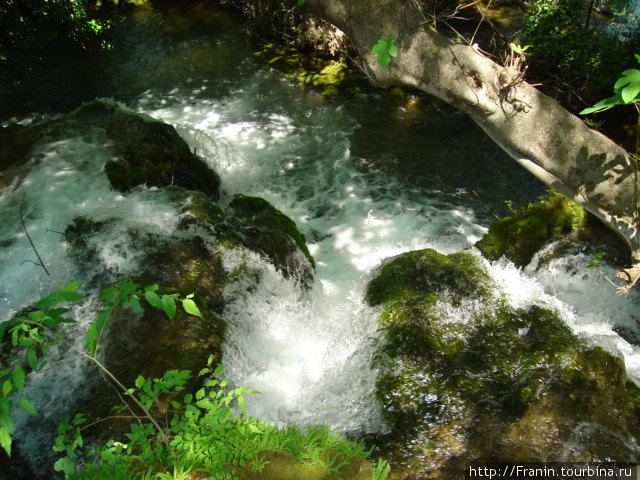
{"x":597,"y":259}
{"x":29,"y":25}
{"x":571,"y":49}
{"x":33,"y":333}
{"x":626,"y":91}
{"x":385,"y":48}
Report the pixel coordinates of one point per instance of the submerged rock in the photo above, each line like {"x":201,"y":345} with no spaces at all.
{"x":520,"y":236}
{"x":464,"y":377}
{"x":150,"y":151}
{"x":144,"y":151}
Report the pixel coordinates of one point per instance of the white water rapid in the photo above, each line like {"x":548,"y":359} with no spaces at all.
{"x":364,"y":179}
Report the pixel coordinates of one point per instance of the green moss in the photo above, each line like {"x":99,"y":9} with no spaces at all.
{"x":329,"y":74}
{"x":268,"y":229}
{"x":520,"y":236}
{"x":487,"y":373}
{"x":423,"y":272}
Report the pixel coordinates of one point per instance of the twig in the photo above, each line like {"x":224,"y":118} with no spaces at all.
{"x":29,"y":237}
{"x":486,"y":206}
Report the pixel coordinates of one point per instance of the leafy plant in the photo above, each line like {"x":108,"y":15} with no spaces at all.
{"x":626,"y":91}
{"x":33,"y":333}
{"x":385,"y":48}
{"x":597,"y":259}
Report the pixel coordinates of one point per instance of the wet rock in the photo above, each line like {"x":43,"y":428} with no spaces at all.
{"x":465,"y":377}
{"x":250,"y":222}
{"x":150,"y":152}
{"x":145,"y":151}
{"x":520,"y":236}
{"x":264,"y":228}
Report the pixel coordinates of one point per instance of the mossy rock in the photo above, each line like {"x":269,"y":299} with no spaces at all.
{"x":146,"y":151}
{"x":249,"y":222}
{"x":264,"y":228}
{"x":520,"y":236}
{"x":464,"y":377}
{"x":150,"y":151}
{"x":424,"y":272}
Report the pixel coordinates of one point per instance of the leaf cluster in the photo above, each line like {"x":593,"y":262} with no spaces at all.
{"x":626,"y":90}
{"x":385,"y":48}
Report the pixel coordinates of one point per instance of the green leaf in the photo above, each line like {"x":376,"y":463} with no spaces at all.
{"x":5,"y":440}
{"x":242,"y":403}
{"x":300,"y":3}
{"x":65,"y":465}
{"x":385,"y":48}
{"x":32,"y":359}
{"x":187,"y":398}
{"x":27,"y":406}
{"x":128,"y":287}
{"x":200,"y":394}
{"x":153,"y":299}
{"x":169,"y":306}
{"x":175,"y":404}
{"x":218,"y":370}
{"x":92,"y":337}
{"x":70,"y":287}
{"x":253,"y":428}
{"x":3,"y":328}
{"x":135,"y":305}
{"x":630,"y":92}
{"x":107,"y":294}
{"x":71,"y":296}
{"x":18,"y":377}
{"x":191,"y":308}
{"x":605,"y":104}
{"x":151,"y":288}
{"x":6,"y":388}
{"x":139,"y":381}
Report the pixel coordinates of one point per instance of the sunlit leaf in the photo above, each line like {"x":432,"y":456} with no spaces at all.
{"x":169,"y":306}
{"x":153,"y":299}
{"x":191,"y":308}
{"x":5,"y":441}
{"x":70,"y":287}
{"x":18,"y":377}
{"x":27,"y":406}
{"x":242,"y":404}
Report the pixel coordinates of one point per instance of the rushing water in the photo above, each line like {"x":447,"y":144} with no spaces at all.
{"x":364,"y":179}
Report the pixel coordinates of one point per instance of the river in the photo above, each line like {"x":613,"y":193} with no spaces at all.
{"x":364,"y":178}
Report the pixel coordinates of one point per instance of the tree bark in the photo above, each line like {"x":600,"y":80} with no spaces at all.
{"x":531,"y":127}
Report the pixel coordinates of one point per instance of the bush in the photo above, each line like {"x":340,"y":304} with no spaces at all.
{"x":32,"y":25}
{"x":575,"y":47}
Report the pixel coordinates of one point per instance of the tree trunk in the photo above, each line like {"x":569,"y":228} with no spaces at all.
{"x":534,"y":129}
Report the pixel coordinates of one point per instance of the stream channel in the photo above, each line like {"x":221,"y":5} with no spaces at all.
{"x":364,"y":178}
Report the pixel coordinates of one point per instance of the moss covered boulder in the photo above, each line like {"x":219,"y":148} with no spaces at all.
{"x":249,"y":222}
{"x":149,"y":152}
{"x":142,"y":150}
{"x":464,"y":377}
{"x":520,"y":236}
